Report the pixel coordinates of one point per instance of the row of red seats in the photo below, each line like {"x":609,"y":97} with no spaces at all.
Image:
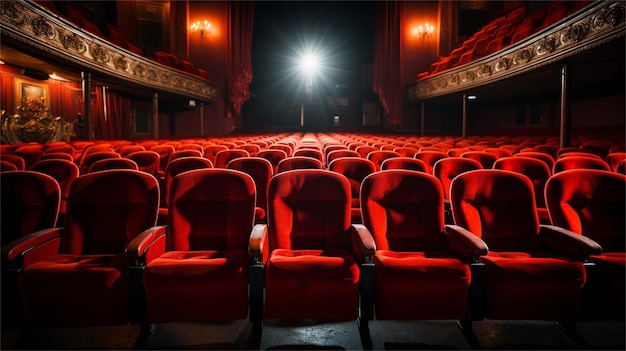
{"x":111,"y":33}
{"x":502,"y":32}
{"x":110,"y":265}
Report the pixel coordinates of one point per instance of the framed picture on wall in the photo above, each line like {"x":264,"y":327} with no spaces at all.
{"x":31,"y":94}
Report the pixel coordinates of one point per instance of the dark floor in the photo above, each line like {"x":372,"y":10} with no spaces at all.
{"x":306,"y":335}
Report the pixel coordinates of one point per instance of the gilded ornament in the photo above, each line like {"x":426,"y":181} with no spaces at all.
{"x":140,"y":70}
{"x":522,"y":56}
{"x":545,"y":46}
{"x":99,"y":54}
{"x":10,"y":11}
{"x":503,"y":64}
{"x":574,"y":33}
{"x":484,"y":70}
{"x":165,"y":78}
{"x":455,"y":79}
{"x":152,"y":75}
{"x":467,"y":76}
{"x":41,"y":27}
{"x":73,"y":42}
{"x":121,"y":63}
{"x":442,"y":83}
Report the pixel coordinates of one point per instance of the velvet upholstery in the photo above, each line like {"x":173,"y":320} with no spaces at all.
{"x":174,"y":168}
{"x":404,"y":162}
{"x":30,"y":202}
{"x":147,"y":161}
{"x":312,"y":271}
{"x":445,"y":170}
{"x":430,"y":157}
{"x":81,"y":277}
{"x":378,"y":157}
{"x":63,"y":171}
{"x":526,"y":275}
{"x":298,"y":162}
{"x":538,"y":173}
{"x":355,"y":169}
{"x":89,"y":158}
{"x":417,"y":275}
{"x":592,"y":203}
{"x":261,"y":171}
{"x":274,"y":156}
{"x":575,"y":162}
{"x":201,"y":274}
{"x":223,"y":157}
{"x":113,"y":163}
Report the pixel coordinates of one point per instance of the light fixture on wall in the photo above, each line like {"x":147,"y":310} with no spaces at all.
{"x":202,"y":27}
{"x":424,"y":30}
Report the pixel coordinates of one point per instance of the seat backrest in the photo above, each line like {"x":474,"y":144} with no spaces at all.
{"x":485,"y":158}
{"x":211,"y":150}
{"x":147,"y":161}
{"x":447,"y":168}
{"x":49,"y":155}
{"x":377,"y":157}
{"x":335,"y":154}
{"x":223,"y":157}
{"x":129,"y":149}
{"x":298,"y":162}
{"x":355,"y":169}
{"x":533,"y":168}
{"x":210,"y":209}
{"x":614,"y":158}
{"x":30,"y":202}
{"x":164,"y":151}
{"x":403,"y":210}
{"x":18,"y":161}
{"x":274,"y":156}
{"x":590,"y":202}
{"x":113,"y":163}
{"x":63,"y":171}
{"x":430,"y":157}
{"x":549,"y":160}
{"x":576,"y":162}
{"x":107,"y":209}
{"x":498,"y":206}
{"x":7,"y":166}
{"x":260,"y":170}
{"x":88,"y":159}
{"x":406,"y":162}
{"x":308,"y":209}
{"x":180,"y":165}
{"x":185,"y":153}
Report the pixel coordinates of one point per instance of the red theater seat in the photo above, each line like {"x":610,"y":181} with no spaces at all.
{"x":147,"y":161}
{"x":88,"y":159}
{"x":198,"y":271}
{"x":298,"y":162}
{"x":532,"y":271}
{"x":445,"y":170}
{"x":421,"y":272}
{"x":538,"y":173}
{"x":30,"y":202}
{"x":314,"y":255}
{"x":378,"y":157}
{"x":355,"y":169}
{"x":591,"y":203}
{"x":113,"y":163}
{"x":261,"y":171}
{"x":430,"y":157}
{"x":64,"y":172}
{"x":80,"y":277}
{"x":223,"y":157}
{"x":576,"y":162}
{"x":408,"y":163}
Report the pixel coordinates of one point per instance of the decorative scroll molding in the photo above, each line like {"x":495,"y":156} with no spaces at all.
{"x":35,"y":27}
{"x":597,"y":25}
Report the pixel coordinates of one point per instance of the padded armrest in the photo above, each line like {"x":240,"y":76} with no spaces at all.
{"x":258,"y":244}
{"x":571,"y":244}
{"x":20,"y":246}
{"x":465,"y":243}
{"x":141,"y":249}
{"x":363,"y":243}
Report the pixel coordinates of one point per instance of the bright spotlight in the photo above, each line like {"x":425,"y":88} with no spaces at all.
{"x":309,"y":63}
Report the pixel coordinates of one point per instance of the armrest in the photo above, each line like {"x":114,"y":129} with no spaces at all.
{"x":363,"y":243}
{"x":568,"y":243}
{"x":19,"y":247}
{"x":258,"y":244}
{"x":465,"y":243}
{"x":146,"y":246}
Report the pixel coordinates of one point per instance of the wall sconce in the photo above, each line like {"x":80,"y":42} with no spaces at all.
{"x":424,"y":30}
{"x":201,"y":27}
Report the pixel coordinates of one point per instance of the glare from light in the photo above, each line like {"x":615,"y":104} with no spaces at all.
{"x":471,"y":97}
{"x":310,"y":63}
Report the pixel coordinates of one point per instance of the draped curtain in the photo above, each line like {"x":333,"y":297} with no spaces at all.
{"x":239,"y":55}
{"x":388,"y":53}
{"x":109,"y":110}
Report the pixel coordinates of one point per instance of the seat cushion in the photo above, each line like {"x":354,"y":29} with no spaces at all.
{"x":317,"y":284}
{"x":418,"y":285}
{"x":196,"y":286}
{"x":521,"y":285}
{"x":98,"y":285}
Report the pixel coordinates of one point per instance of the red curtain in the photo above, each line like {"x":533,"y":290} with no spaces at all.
{"x":109,"y":110}
{"x":388,"y":53}
{"x":239,"y":58}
